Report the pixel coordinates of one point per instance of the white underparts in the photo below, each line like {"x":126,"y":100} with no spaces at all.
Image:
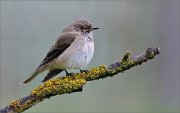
{"x":78,"y":54}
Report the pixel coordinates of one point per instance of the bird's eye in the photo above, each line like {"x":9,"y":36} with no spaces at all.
{"x":81,"y":27}
{"x":90,"y":25}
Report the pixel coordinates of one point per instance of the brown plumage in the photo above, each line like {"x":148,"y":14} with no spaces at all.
{"x":74,"y":48}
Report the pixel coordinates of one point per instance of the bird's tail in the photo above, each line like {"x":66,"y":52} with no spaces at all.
{"x":51,"y":74}
{"x":33,"y":75}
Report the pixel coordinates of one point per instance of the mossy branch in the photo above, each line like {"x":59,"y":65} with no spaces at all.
{"x":74,"y":83}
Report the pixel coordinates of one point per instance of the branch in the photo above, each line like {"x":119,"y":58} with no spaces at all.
{"x":75,"y":83}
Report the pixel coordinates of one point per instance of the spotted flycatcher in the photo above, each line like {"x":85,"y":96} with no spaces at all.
{"x":73,"y":49}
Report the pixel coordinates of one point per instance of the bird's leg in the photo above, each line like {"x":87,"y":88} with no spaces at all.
{"x":83,"y":71}
{"x":67,"y":74}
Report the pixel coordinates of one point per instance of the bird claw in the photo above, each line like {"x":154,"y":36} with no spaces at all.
{"x":68,"y":74}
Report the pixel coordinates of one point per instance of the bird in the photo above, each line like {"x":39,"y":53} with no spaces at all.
{"x":73,"y":49}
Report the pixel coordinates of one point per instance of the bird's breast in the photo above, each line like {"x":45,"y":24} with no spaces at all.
{"x":78,"y":54}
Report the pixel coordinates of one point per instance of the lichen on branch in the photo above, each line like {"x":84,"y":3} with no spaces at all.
{"x":75,"y":82}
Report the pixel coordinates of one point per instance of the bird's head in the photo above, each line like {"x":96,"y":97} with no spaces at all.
{"x":83,"y":25}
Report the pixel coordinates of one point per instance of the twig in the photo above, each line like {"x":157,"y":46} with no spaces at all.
{"x":75,"y":83}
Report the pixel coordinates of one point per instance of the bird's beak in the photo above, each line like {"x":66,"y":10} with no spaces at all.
{"x":94,"y":28}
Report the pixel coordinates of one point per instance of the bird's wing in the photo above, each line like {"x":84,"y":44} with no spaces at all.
{"x":63,"y":42}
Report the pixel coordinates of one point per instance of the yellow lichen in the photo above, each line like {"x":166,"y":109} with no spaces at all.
{"x":16,"y":106}
{"x":58,"y":86}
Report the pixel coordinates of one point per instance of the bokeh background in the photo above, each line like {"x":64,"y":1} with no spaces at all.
{"x":29,"y":28}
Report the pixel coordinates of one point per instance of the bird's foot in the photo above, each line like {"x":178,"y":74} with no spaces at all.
{"x":68,"y":74}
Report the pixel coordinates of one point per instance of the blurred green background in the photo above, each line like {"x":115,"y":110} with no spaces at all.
{"x":29,"y":28}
